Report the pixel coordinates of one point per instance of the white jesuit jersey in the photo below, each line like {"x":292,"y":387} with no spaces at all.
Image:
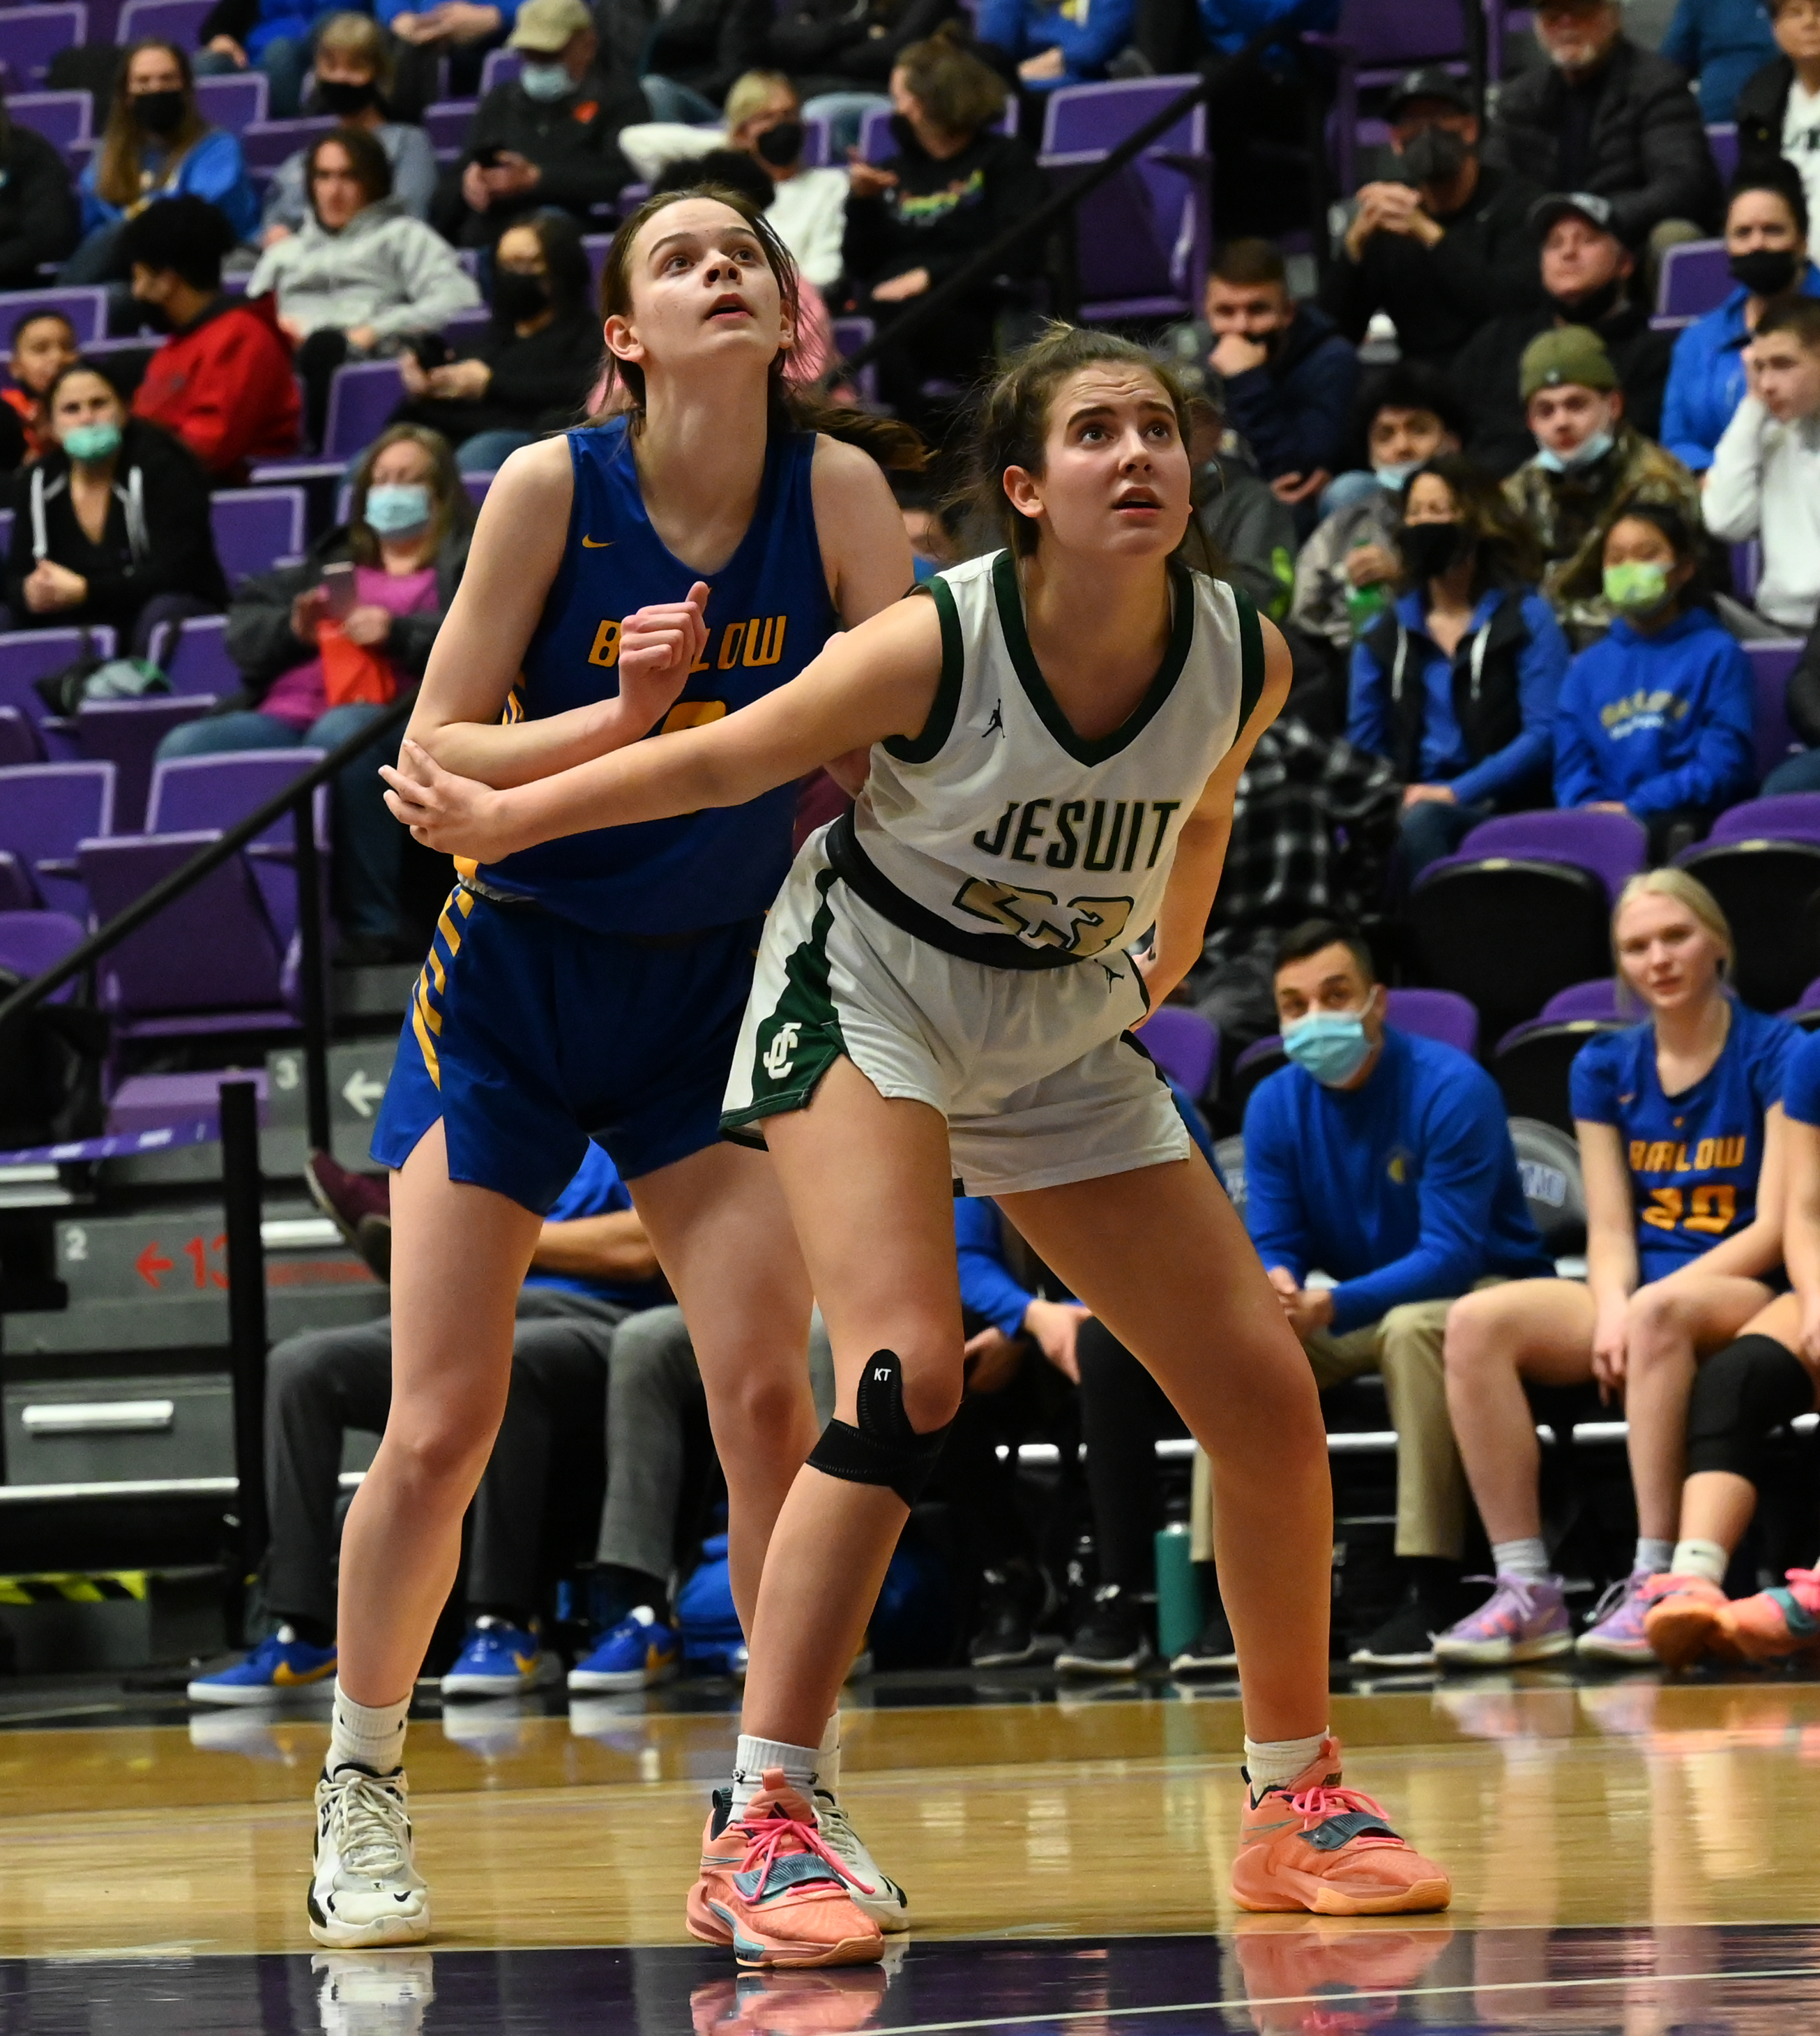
{"x":1001,"y":834}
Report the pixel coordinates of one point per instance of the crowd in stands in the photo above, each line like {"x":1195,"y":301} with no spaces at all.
{"x":1517,"y":529}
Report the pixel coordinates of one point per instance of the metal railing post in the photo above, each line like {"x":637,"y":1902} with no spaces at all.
{"x":313,"y":976}
{"x":242,"y":1192}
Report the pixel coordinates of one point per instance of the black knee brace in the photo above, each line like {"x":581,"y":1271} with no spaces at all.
{"x":1751,"y":1387}
{"x":884,"y":1449}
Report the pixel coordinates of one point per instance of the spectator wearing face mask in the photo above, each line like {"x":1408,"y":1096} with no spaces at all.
{"x":1766,"y":242}
{"x":531,"y":372}
{"x":1606,"y":116}
{"x":1290,"y":376}
{"x":1590,"y":464}
{"x":808,"y":208}
{"x":1778,"y":110}
{"x":1588,"y":274}
{"x":1764,"y":479}
{"x":548,"y":136}
{"x":1456,"y":685}
{"x":1451,"y":246}
{"x":1408,"y":415}
{"x":352,"y":81}
{"x":156,"y":145}
{"x":1722,"y":43}
{"x":222,"y":381}
{"x":270,"y":36}
{"x":1384,"y":1161}
{"x":1657,"y":719}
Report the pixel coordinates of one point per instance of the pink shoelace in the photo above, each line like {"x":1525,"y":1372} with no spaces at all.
{"x":1804,"y":1580}
{"x":768,"y":1844}
{"x":1325,"y":1801}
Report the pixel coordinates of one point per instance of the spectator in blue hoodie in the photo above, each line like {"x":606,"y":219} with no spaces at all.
{"x":1766,"y":241}
{"x":1721,"y":44}
{"x":1456,"y":685}
{"x":276,"y":36}
{"x":1290,"y":377}
{"x":1658,"y":719}
{"x":156,"y":145}
{"x":1057,"y":42}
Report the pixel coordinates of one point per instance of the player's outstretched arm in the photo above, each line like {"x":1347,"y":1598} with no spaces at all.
{"x":876,"y":681}
{"x":1201,"y":851}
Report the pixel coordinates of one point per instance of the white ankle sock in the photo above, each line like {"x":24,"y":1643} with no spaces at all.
{"x":369,"y":1736}
{"x":1652,"y":1556}
{"x":1700,"y":1559}
{"x":1527,"y":1559}
{"x":1268,"y":1761}
{"x":828,"y":1754}
{"x":754,"y":1755}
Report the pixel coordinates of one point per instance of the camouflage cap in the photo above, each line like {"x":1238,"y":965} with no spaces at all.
{"x":1571,"y":355}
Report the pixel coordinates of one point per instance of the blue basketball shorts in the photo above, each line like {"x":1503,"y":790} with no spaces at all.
{"x":527,"y":1035}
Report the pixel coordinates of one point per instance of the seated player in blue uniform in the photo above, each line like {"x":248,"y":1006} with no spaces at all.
{"x":1680,"y":1126}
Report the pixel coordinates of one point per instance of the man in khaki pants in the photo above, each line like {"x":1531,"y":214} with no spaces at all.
{"x":1383,"y":1160}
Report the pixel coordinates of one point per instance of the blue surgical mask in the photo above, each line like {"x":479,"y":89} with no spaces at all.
{"x":1331,"y":1045}
{"x":395,"y":509}
{"x":545,"y":81}
{"x":92,"y":442}
{"x":1587,"y":453}
{"x":1395,"y":479}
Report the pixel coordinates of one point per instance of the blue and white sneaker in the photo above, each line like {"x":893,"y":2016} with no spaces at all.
{"x":637,"y":1655}
{"x":280,"y":1664}
{"x":499,"y":1660}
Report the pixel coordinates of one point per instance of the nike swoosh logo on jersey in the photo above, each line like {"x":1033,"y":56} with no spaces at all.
{"x":596,"y":544}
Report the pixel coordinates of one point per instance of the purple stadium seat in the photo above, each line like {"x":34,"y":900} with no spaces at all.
{"x":1787,"y":816}
{"x":233,"y":102}
{"x":85,"y":309}
{"x":178,"y":21}
{"x":447,"y":123}
{"x":27,"y":655}
{"x":465,"y":328}
{"x":1695,"y":278}
{"x":476,"y":484}
{"x":816,"y":143}
{"x":210,"y":963}
{"x":147,"y":1102}
{"x":1746,"y":568}
{"x":194,"y":657}
{"x":1807,"y":1008}
{"x":1611,"y":845}
{"x":31,"y":36}
{"x":1434,"y":1014}
{"x":193,"y":792}
{"x":596,"y":244}
{"x":17,"y":892}
{"x":1722,"y":139}
{"x":501,"y":67}
{"x":1596,"y":999}
{"x":127,"y":733}
{"x":849,"y":335}
{"x":266,"y":144}
{"x":1384,"y":42}
{"x":19,"y":742}
{"x":62,"y":117}
{"x":255,"y":527}
{"x":1532,"y":1061}
{"x":5,"y":532}
{"x":1183,"y":1044}
{"x":1770,"y":665}
{"x":46,"y":810}
{"x":31,"y":942}
{"x":362,"y":398}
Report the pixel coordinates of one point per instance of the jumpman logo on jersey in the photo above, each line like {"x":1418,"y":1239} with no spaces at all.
{"x":996,"y":722}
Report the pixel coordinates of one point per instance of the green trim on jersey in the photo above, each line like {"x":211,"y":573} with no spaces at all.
{"x":800,"y":1040}
{"x":926,"y":744}
{"x":1251,"y":673}
{"x":1010,"y":599}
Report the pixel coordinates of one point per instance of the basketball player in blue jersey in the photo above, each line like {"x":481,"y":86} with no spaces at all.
{"x":665,"y":568}
{"x":1681,"y":1130}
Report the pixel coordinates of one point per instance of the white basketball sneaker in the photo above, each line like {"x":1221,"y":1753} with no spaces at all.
{"x":366,"y":1890}
{"x":888,"y":1905}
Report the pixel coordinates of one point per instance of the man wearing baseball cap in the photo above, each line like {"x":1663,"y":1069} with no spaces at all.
{"x":549,"y":136}
{"x":1586,"y":270}
{"x":1590,"y":465}
{"x":1447,"y":246}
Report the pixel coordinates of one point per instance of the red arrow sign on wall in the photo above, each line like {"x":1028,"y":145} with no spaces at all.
{"x":150,"y":1263}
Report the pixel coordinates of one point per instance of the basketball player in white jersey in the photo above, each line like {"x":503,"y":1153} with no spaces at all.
{"x":947,"y":989}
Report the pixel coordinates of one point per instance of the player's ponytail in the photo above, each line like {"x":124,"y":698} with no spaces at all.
{"x":893,"y":444}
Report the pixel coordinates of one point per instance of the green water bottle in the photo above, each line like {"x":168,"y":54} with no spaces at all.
{"x":1364,"y":605}
{"x":1178,"y":1591}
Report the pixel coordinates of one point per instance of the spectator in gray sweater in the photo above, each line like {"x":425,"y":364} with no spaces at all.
{"x":362,"y":273}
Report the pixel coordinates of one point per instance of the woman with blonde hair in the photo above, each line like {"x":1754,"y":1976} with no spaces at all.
{"x":1680,"y":1124}
{"x":156,"y":145}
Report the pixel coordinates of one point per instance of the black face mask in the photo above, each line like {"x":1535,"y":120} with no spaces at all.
{"x":1765,"y":272}
{"x":780,"y":145}
{"x":344,"y":101}
{"x":1593,"y":308}
{"x":516,"y":298}
{"x":1436,"y":155}
{"x":1430,"y":549}
{"x":158,"y":112}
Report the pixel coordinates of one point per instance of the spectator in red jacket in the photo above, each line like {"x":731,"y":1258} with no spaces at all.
{"x":222,"y":382}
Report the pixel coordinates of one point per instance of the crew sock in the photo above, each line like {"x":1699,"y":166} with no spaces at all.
{"x":369,"y":1736}
{"x":1270,"y":1762}
{"x":1700,"y":1559}
{"x":828,"y":1758}
{"x":1652,"y":1557}
{"x":800,"y":1764}
{"x":1527,"y":1559}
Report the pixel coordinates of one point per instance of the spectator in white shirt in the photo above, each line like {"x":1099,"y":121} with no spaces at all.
{"x":809,"y":207}
{"x":1764,"y":479}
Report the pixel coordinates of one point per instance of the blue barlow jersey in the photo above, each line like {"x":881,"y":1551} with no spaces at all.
{"x":1801,"y":1080}
{"x":768,"y":615}
{"x":1694,"y":1158}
